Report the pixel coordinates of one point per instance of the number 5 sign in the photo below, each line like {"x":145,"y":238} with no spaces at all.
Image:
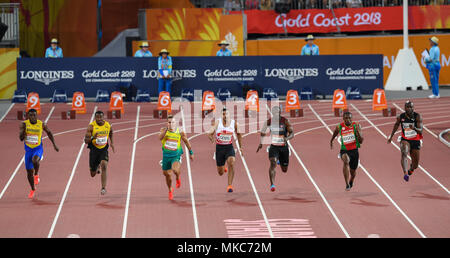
{"x":116,"y":102}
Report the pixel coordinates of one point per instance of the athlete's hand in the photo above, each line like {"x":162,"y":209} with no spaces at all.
{"x":259,"y":147}
{"x":95,"y":136}
{"x":331,"y":144}
{"x":191,"y":157}
{"x":241,"y":150}
{"x":112,"y":147}
{"x":56,"y":148}
{"x":389,"y":140}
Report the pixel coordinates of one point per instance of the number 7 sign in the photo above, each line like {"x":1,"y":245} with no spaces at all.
{"x":116,"y":102}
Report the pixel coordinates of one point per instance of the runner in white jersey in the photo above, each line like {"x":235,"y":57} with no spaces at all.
{"x":222,"y":135}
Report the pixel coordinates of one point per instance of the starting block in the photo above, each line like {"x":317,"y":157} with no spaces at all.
{"x":250,"y":113}
{"x":339,"y":111}
{"x":296,"y":112}
{"x":159,"y":114}
{"x":392,"y":111}
{"x":21,"y":115}
{"x":114,"y":114}
{"x":206,"y":112}
{"x":66,"y":115}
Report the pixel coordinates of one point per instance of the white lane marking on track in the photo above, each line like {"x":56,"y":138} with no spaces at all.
{"x":424,"y":127}
{"x":316,"y":186}
{"x":73,"y":236}
{"x":21,"y":161}
{"x":373,"y":236}
{"x":130,"y":180}
{"x":68,"y":183}
{"x":191,"y":185}
{"x":373,"y":180}
{"x":398,"y":148}
{"x":7,"y":111}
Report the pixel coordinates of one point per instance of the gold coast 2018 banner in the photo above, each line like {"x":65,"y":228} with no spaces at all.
{"x":195,"y":27}
{"x":8,"y":72}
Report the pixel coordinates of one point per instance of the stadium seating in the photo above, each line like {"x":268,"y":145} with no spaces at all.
{"x":143,"y":96}
{"x":20,"y":96}
{"x":102,"y":96}
{"x":59,"y":96}
{"x":269,"y":93}
{"x":306,"y":93}
{"x":223,"y":94}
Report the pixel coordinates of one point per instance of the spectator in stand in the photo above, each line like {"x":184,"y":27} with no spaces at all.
{"x":54,"y":51}
{"x":353,"y":3}
{"x":228,"y":6}
{"x":164,"y":71}
{"x":251,"y":4}
{"x":434,"y":66}
{"x":336,"y":3}
{"x":237,"y":5}
{"x":310,"y":49}
{"x":266,"y":5}
{"x":143,"y":52}
{"x":223,"y":51}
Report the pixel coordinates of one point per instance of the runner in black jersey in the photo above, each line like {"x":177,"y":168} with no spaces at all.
{"x":280,"y":132}
{"x":411,"y":126}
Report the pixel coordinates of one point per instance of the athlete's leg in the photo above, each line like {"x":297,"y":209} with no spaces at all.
{"x":104,"y":166}
{"x":352,"y":176}
{"x":230,"y":163}
{"x":176,"y":167}
{"x":404,"y":147}
{"x":272,"y":169}
{"x":221,"y":170}
{"x":415,"y":156}
{"x":36,"y":160}
{"x":346,"y":168}
{"x":168,"y":178}
{"x":30,"y":177}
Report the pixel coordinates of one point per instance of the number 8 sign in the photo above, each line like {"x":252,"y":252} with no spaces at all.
{"x":79,"y":103}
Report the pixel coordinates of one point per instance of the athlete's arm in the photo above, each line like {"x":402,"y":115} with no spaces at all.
{"x":359,"y":134}
{"x":88,"y":136}
{"x":188,"y":145}
{"x":335,"y":133}
{"x":263,"y":134}
{"x":289,"y":130}
{"x":162,"y":133}
{"x":212,"y":130}
{"x":239,"y":136}
{"x":22,"y":131}
{"x":50,"y":136}
{"x":396,"y":125}
{"x":420,"y":124}
{"x":111,"y":139}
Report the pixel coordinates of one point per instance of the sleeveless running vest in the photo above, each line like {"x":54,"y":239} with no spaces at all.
{"x":278,"y":132}
{"x":349,"y":141}
{"x":408,"y":133}
{"x":224,"y":135}
{"x":171,"y":144}
{"x":33,"y":137}
{"x":102,"y":136}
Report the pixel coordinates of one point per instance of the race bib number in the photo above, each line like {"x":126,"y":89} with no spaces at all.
{"x":224,"y":138}
{"x":409,"y":133}
{"x":32,"y":139}
{"x":348,"y":138}
{"x":278,"y":140}
{"x":171,"y":145}
{"x":101,"y":140}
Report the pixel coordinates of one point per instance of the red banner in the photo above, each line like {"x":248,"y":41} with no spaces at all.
{"x":347,"y":19}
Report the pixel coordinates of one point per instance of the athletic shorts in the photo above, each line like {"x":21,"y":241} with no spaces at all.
{"x":223,"y":152}
{"x":354,"y":157}
{"x":168,"y":161}
{"x":414,"y":144}
{"x":281,"y":153}
{"x":96,"y":156}
{"x":30,"y":153}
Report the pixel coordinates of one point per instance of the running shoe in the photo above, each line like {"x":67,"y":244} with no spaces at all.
{"x":178,"y":183}
{"x":230,"y":189}
{"x":103,"y":191}
{"x":410,"y":172}
{"x":347,"y":188}
{"x":36,"y":180}
{"x":406,"y":177}
{"x":171,"y":194}
{"x":350,"y":184}
{"x":31,"y":195}
{"x":272,"y":188}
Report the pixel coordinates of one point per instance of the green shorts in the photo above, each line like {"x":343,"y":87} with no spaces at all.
{"x":168,"y":161}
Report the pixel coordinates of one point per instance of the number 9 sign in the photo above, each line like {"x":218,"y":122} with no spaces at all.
{"x":33,"y":102}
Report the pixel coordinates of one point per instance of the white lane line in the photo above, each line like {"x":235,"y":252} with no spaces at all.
{"x":191,"y":185}
{"x":21,"y":161}
{"x":398,"y":148}
{"x":372,"y":179}
{"x":68,"y":183}
{"x":130,"y":180}
{"x":424,"y":127}
{"x":316,"y":186}
{"x":7,"y":111}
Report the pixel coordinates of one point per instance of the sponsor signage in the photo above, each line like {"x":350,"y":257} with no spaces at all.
{"x":323,"y":74}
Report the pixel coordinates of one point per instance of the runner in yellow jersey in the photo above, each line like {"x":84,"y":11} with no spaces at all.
{"x":31,"y":134}
{"x":96,"y":138}
{"x":171,"y":138}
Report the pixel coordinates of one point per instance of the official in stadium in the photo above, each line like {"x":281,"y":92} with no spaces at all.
{"x":310,"y":49}
{"x":434,"y":66}
{"x":223,"y":51}
{"x":54,"y":51}
{"x":143,"y":52}
{"x":165,"y":70}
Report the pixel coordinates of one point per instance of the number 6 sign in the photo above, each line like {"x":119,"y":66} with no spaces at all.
{"x":164,"y":102}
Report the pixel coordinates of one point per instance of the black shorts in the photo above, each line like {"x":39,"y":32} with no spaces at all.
{"x":414,"y":144}
{"x":281,"y":153}
{"x":223,"y":152}
{"x":96,"y":156}
{"x":354,"y":157}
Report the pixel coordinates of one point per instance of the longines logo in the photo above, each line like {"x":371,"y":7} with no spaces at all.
{"x":176,"y":74}
{"x":291,"y":74}
{"x":46,"y":77}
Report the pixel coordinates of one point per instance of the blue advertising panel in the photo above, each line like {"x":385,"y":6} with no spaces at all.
{"x":323,"y":74}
